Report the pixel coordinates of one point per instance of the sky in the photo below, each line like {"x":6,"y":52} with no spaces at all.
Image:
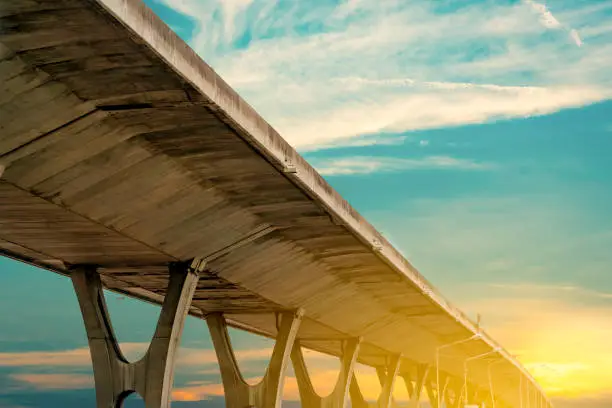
{"x":475,"y":135}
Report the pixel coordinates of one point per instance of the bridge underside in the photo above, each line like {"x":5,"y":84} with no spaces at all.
{"x":121,"y":149}
{"x":152,"y":375}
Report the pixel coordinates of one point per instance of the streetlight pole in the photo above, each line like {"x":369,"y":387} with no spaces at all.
{"x":491,"y":380}
{"x":528,"y":396}
{"x":521,"y":396}
{"x":454,"y":343}
{"x":521,"y":389}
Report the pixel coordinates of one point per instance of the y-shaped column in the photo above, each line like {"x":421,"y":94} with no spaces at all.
{"x":449,"y":401}
{"x":444,"y":388}
{"x":459,"y":396}
{"x":268,"y":393}
{"x":473,"y":395}
{"x":338,"y":397}
{"x":434,"y":394}
{"x":416,"y":390}
{"x":451,"y":393}
{"x":387,"y":378}
{"x":151,"y":377}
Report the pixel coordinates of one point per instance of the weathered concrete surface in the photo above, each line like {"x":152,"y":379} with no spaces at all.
{"x":152,"y":376}
{"x":122,"y":148}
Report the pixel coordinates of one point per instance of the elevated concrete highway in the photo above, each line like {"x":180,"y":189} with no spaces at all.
{"x":123,"y":156}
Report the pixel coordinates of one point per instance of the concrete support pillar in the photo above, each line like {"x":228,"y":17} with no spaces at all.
{"x":454,"y":400}
{"x":386,"y":392}
{"x":268,"y":393}
{"x":474,"y":396}
{"x":151,"y":376}
{"x":408,"y":382}
{"x":487,"y":398}
{"x":449,"y":400}
{"x":470,"y":395}
{"x":444,"y":389}
{"x":338,"y":397}
{"x":422,"y":373}
{"x":432,"y":394}
{"x":387,"y":375}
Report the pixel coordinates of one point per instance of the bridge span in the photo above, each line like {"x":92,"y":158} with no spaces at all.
{"x":126,"y":162}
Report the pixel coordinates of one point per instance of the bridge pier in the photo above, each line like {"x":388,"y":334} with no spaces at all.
{"x":451,"y":401}
{"x":338,"y":397}
{"x":268,"y":393}
{"x":415,"y":391}
{"x":444,"y":392}
{"x":387,"y":375}
{"x":151,"y":377}
{"x":475,"y":396}
{"x":432,"y":394}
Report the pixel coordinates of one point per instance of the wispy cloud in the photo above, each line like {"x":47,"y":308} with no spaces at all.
{"x":370,"y":164}
{"x":198,"y":391}
{"x":576,"y":37}
{"x":546,"y":17}
{"x":323,"y":369}
{"x":359,"y":141}
{"x":76,"y":357}
{"x":81,"y":357}
{"x":316,"y":72}
{"x":548,"y":20}
{"x":554,"y":291}
{"x":55,"y":381}
{"x":323,"y":380}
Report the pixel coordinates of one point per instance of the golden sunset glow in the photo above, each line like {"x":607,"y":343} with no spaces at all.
{"x":323,"y":381}
{"x":560,"y":337}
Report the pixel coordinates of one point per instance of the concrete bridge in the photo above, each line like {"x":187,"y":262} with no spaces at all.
{"x":127,"y":163}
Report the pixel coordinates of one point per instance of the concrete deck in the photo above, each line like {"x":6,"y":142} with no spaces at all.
{"x":120,"y":147}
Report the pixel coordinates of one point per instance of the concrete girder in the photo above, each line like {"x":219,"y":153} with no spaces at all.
{"x":151,"y":376}
{"x":268,"y":392}
{"x":387,"y":375}
{"x":339,"y":396}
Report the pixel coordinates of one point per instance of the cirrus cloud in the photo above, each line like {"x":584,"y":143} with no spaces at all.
{"x":370,"y":164}
{"x":316,"y":74}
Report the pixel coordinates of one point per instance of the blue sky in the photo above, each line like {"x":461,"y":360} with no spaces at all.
{"x":476,"y":135}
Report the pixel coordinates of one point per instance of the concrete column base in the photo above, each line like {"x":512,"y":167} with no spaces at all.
{"x":338,"y":397}
{"x":268,"y":393}
{"x":416,"y":390}
{"x":452,"y":395}
{"x":151,"y":377}
{"x":387,"y":376}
